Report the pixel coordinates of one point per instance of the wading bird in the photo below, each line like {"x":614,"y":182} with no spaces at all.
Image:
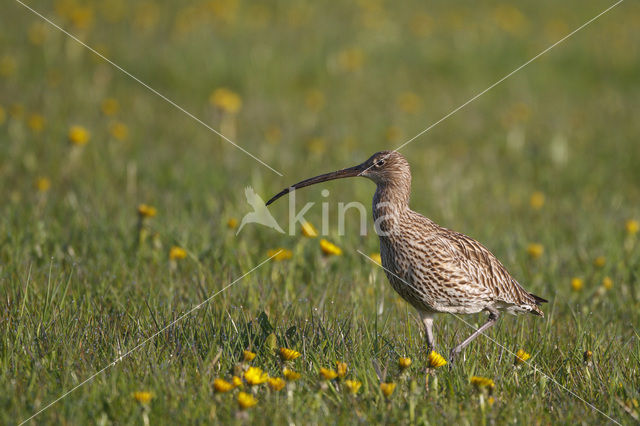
{"x":433,"y":268}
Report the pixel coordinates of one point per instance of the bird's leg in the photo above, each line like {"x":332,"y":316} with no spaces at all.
{"x":427,"y":320}
{"x":493,"y":318}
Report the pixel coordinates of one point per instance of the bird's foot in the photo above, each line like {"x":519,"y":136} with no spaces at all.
{"x":452,"y":356}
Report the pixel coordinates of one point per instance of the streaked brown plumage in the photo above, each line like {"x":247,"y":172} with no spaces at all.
{"x":433,"y":268}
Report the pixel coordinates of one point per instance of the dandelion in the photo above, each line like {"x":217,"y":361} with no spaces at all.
{"x":521,"y":357}
{"x":43,"y":184}
{"x":236,"y":381}
{"x":328,"y":374}
{"x":232,"y":223}
{"x":587,"y":355}
{"x":350,"y":59}
{"x":288,"y":354}
{"x":82,"y":17}
{"x":145,"y":211}
{"x":435,"y":360}
{"x":330,"y":248}
{"x":404,"y":363}
{"x":276,"y":383}
{"x":409,"y":102}
{"x":248,"y":355}
{"x":142,"y":397}
{"x":536,"y":201}
{"x":308,"y":230}
{"x":491,"y":400}
{"x":599,"y":261}
{"x":481,"y":383}
{"x":290,"y":375}
{"x":577,"y":284}
{"x":246,"y":400}
{"x":341,"y":369}
{"x":78,"y":135}
{"x":387,"y":388}
{"x":176,"y":253}
{"x":353,"y":386}
{"x":376,"y":258}
{"x":607,"y":283}
{"x":255,"y":376}
{"x":36,"y":123}
{"x":226,"y":100}
{"x":110,"y":107}
{"x":535,"y":250}
{"x":119,"y":130}
{"x":222,"y":386}
{"x":314,"y":100}
{"x":280,"y":254}
{"x":632,"y":226}
{"x":7,"y":66}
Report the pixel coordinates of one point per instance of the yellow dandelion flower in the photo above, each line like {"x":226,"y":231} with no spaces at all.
{"x":36,"y":123}
{"x":521,"y":357}
{"x":142,"y":397}
{"x":491,"y":400}
{"x":222,"y":386}
{"x":535,"y":250}
{"x":276,"y":383}
{"x":480,"y":382}
{"x":632,"y":226}
{"x":308,"y":230}
{"x":145,"y":211}
{"x":290,"y":375}
{"x":248,"y":355}
{"x":314,"y":100}
{"x":387,"y":388}
{"x":288,"y":354}
{"x":78,"y":135}
{"x":43,"y":184}
{"x":350,"y":59}
{"x":353,"y":386}
{"x":435,"y":360}
{"x":330,"y":248}
{"x":404,"y":363}
{"x":226,"y":100}
{"x":273,"y":134}
{"x":7,"y":65}
{"x":587,"y":355}
{"x":236,"y":381}
{"x":607,"y":283}
{"x":376,"y":258}
{"x":328,"y":374}
{"x":599,"y":261}
{"x":341,"y":369}
{"x":409,"y":102}
{"x":280,"y":254}
{"x":246,"y":400}
{"x":37,"y":33}
{"x":577,"y":284}
{"x":176,"y":253}
{"x":536,"y":201}
{"x":119,"y":130}
{"x":110,"y":107}
{"x":82,"y":17}
{"x":255,"y":376}
{"x":232,"y":223}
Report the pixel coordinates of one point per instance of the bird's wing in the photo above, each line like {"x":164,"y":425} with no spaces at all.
{"x":482,"y":268}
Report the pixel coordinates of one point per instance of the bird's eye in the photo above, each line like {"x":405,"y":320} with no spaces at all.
{"x":379,"y":163}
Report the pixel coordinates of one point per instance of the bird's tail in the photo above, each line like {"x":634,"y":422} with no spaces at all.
{"x":538,"y":300}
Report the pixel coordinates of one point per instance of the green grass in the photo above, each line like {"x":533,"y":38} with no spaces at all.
{"x":78,"y":291}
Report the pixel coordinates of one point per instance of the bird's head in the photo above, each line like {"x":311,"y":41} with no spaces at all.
{"x":384,"y":168}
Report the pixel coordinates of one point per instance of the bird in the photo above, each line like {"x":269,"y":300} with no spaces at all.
{"x":435,"y":269}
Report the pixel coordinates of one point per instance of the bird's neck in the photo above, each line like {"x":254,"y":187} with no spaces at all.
{"x":390,"y":202}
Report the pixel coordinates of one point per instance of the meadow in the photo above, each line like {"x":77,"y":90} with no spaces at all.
{"x":119,"y":212}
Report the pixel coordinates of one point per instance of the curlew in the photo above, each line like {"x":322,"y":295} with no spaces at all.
{"x":433,"y":268}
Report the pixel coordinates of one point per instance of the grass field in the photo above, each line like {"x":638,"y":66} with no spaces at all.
{"x":543,"y":170}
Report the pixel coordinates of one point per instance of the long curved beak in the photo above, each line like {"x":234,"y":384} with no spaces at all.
{"x":344,"y":173}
